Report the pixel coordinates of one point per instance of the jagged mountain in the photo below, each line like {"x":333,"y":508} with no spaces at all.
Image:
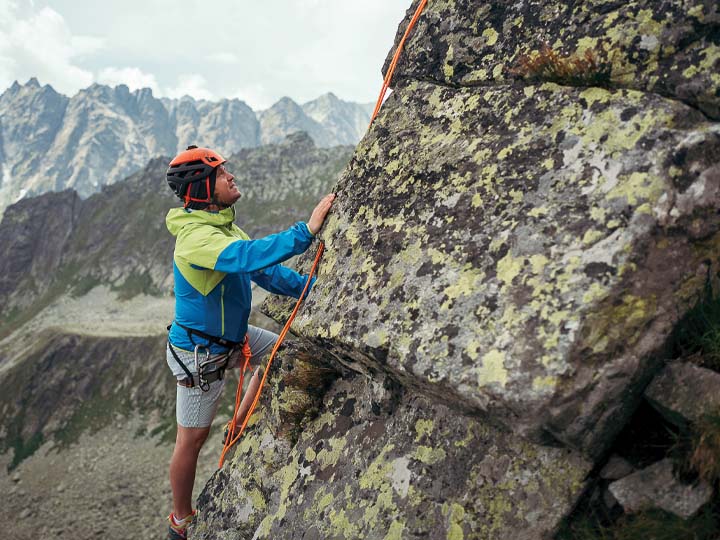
{"x":328,"y":120}
{"x":49,"y":142}
{"x":226,"y":125}
{"x":343,"y":119}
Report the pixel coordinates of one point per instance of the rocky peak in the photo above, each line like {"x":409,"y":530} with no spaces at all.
{"x":286,"y":117}
{"x":144,"y":94}
{"x":346,"y":121}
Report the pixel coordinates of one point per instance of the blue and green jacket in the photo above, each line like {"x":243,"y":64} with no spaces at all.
{"x":214,"y":263}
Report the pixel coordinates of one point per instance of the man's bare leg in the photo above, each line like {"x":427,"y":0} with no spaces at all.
{"x":248,"y":398}
{"x":183,"y":464}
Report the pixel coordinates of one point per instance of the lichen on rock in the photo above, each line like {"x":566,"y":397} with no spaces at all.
{"x":504,"y":263}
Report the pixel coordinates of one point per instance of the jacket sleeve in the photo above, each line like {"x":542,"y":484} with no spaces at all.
{"x":279,"y":279}
{"x":207,"y":247}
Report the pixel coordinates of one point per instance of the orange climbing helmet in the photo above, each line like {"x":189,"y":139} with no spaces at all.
{"x":191,"y":175}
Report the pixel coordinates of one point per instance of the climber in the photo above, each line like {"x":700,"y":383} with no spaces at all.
{"x":214,"y":263}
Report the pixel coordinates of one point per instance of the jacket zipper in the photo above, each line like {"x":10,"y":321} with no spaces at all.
{"x":222,"y":309}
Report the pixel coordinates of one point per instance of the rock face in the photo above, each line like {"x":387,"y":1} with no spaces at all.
{"x":525,"y":246}
{"x":513,"y":255}
{"x":384,"y":461}
{"x":668,"y":47}
{"x":101,"y":135}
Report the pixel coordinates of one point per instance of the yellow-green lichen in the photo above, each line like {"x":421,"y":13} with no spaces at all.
{"x":330,"y":456}
{"x":428,"y":455}
{"x":457,"y":515}
{"x":395,"y":531}
{"x":492,"y":369}
{"x":423,"y":427}
{"x":509,"y":267}
{"x":490,"y":35}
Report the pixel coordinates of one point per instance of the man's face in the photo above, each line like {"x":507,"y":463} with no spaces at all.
{"x":226,"y":192}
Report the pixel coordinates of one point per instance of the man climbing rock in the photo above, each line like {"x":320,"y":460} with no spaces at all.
{"x":214,"y":263}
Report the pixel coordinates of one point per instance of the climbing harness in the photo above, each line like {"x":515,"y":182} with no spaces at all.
{"x":209,"y":367}
{"x":232,"y":437}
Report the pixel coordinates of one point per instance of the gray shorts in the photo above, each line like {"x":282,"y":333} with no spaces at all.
{"x":195,"y":408}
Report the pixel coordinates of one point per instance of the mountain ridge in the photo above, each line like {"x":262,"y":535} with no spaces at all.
{"x":102,"y":134}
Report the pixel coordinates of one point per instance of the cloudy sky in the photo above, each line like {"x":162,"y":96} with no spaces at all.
{"x":254,"y":50}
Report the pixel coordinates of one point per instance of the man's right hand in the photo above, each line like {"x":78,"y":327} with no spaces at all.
{"x":318,"y":215}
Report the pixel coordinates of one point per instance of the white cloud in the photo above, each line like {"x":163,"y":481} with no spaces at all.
{"x":260,"y":52}
{"x":133,"y":77}
{"x":255,"y":95}
{"x":38,"y":43}
{"x":191,"y":84}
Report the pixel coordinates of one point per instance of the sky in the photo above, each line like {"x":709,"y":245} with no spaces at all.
{"x":257,"y":51}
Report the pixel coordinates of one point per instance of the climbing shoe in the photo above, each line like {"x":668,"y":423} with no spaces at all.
{"x":178,"y":531}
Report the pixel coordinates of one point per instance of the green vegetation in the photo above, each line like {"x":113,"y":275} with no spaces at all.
{"x":136,"y":284}
{"x":83,"y":286}
{"x":304,"y":387}
{"x":705,"y":454}
{"x":574,"y":70}
{"x":698,"y":333}
{"x":81,"y":384}
{"x":647,"y":525}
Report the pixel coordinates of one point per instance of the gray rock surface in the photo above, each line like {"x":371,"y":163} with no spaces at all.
{"x":668,"y":47}
{"x":616,"y":468}
{"x":381,"y":460}
{"x":656,"y":487}
{"x":683,"y":392}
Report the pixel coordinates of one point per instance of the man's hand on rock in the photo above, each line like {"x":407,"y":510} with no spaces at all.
{"x":318,"y":215}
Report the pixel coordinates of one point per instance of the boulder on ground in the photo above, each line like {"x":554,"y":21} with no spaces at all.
{"x":656,"y":487}
{"x":684,"y":392}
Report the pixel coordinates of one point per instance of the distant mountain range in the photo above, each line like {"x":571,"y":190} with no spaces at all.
{"x":51,"y":142}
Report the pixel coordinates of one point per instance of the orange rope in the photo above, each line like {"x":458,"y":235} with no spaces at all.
{"x":391,"y":69}
{"x":231,"y":438}
{"x":286,"y":328}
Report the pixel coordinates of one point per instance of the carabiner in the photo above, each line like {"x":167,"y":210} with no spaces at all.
{"x":200,"y":367}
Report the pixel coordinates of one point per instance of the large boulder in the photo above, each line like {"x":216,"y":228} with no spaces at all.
{"x":656,"y":487}
{"x":522,"y":250}
{"x":509,"y":256}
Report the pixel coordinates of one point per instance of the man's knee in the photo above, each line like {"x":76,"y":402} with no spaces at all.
{"x":191,"y":438}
